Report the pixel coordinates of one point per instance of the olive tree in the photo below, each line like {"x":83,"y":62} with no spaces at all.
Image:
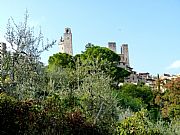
{"x":22,"y":65}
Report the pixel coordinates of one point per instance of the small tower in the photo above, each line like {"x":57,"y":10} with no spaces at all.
{"x":112,"y":46}
{"x":65,"y":42}
{"x":125,"y":53}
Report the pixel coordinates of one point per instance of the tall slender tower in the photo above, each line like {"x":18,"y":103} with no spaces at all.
{"x":2,"y":52}
{"x":66,"y":42}
{"x":112,"y":46}
{"x":125,"y":53}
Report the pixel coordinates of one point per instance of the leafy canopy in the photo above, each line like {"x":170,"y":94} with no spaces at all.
{"x":61,"y":60}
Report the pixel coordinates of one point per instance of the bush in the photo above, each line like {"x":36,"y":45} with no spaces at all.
{"x":138,"y":124}
{"x":48,"y":117}
{"x":8,"y":121}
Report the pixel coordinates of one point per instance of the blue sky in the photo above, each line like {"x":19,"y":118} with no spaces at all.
{"x":151,"y":28}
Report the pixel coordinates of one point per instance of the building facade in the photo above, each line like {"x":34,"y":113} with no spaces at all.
{"x":65,"y":42}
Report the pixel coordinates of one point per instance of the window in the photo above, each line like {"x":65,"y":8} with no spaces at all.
{"x":67,"y":30}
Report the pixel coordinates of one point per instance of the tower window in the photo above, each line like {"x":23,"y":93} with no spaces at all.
{"x":67,"y":30}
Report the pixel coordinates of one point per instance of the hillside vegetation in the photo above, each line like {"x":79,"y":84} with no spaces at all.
{"x":78,"y":94}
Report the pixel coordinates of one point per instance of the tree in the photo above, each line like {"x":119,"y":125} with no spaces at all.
{"x":138,"y":124}
{"x":97,"y":100}
{"x":88,"y":85}
{"x":169,"y":100}
{"x":141,"y":124}
{"x":23,"y":64}
{"x":134,"y":96}
{"x":106,"y":59}
{"x":61,"y":60}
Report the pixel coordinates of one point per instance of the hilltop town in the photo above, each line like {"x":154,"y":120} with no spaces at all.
{"x":89,"y":67}
{"x":95,"y":92}
{"x":66,"y":46}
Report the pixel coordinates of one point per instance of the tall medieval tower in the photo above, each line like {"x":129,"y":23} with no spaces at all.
{"x":66,"y":42}
{"x":125,"y":54}
{"x":2,"y":52}
{"x":112,"y":46}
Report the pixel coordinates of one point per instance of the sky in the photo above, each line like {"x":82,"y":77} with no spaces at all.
{"x":151,"y":28}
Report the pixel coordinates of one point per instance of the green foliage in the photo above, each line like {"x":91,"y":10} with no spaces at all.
{"x":8,"y":121}
{"x":52,"y":116}
{"x":88,"y":91}
{"x":61,"y":60}
{"x":48,"y":117}
{"x":168,"y":101}
{"x":138,"y":124}
{"x":102,"y":57}
{"x":126,"y":101}
{"x":106,"y":59}
{"x":134,"y":97}
{"x":62,"y":80}
{"x":22,"y":66}
{"x":137,"y":91}
{"x":98,"y":103}
{"x":100,"y":54}
{"x":74,"y":95}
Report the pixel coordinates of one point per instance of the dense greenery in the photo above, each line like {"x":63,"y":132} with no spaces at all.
{"x":61,"y":59}
{"x":105,"y":59}
{"x":169,"y":101}
{"x":134,"y":97}
{"x":76,"y":94}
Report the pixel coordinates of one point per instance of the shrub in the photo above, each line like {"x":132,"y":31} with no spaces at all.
{"x":8,"y":121}
{"x":138,"y":124}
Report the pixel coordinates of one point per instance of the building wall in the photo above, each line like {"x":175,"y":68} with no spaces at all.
{"x":125,"y":52}
{"x":112,"y":46}
{"x":132,"y":78}
{"x":66,"y":42}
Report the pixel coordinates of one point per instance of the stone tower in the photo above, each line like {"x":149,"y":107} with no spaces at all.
{"x":125,"y":54}
{"x":2,"y":52}
{"x":112,"y":46}
{"x":66,"y":42}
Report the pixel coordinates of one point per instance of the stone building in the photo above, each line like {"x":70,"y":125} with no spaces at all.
{"x":125,"y":54}
{"x":147,"y":79}
{"x":134,"y":77}
{"x":65,"y":42}
{"x":2,"y":51}
{"x":124,"y":58}
{"x":143,"y":77}
{"x":112,"y":46}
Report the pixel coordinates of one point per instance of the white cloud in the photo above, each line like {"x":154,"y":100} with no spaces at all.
{"x":175,"y":65}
